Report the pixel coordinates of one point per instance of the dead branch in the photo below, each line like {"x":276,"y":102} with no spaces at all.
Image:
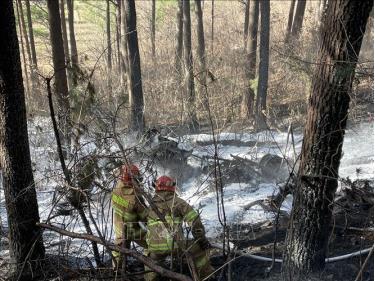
{"x":143,"y":259}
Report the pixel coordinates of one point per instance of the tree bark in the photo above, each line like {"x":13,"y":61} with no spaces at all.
{"x":247,"y":109}
{"x":342,"y":31}
{"x":298,"y":19}
{"x":153,"y":20}
{"x":109,"y":51}
{"x":61,"y":85}
{"x":134,"y":68}
{"x":261,"y":101}
{"x":246,"y":23}
{"x":179,"y":38}
{"x":31,"y":34}
{"x":201,"y":46}
{"x":189,"y":75}
{"x":25,"y":237}
{"x":290,"y":20}
{"x":72,"y":41}
{"x":23,"y":53}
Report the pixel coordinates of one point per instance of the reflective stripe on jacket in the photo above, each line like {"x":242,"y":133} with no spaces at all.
{"x":162,"y":238}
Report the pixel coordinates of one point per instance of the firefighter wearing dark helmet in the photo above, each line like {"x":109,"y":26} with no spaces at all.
{"x":162,"y":237}
{"x":128,"y":210}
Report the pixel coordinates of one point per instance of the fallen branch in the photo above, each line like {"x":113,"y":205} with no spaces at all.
{"x":143,"y":259}
{"x":327,"y":260}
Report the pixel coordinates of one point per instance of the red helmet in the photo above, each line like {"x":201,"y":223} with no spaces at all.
{"x":128,"y":173}
{"x":165,"y":183}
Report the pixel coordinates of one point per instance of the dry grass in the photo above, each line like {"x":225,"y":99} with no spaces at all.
{"x":290,"y":68}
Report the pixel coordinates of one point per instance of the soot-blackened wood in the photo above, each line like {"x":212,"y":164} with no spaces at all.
{"x":137,"y":122}
{"x":342,"y":30}
{"x":189,"y":75}
{"x":25,"y":237}
{"x":61,"y":84}
{"x":247,"y":107}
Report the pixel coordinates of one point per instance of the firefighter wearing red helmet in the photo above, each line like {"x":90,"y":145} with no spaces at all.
{"x":128,"y":210}
{"x":162,"y":238}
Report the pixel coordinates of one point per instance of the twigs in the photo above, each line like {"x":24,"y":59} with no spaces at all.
{"x":66,"y":171}
{"x":143,"y":259}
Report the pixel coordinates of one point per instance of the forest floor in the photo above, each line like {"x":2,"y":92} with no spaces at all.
{"x":251,"y":225}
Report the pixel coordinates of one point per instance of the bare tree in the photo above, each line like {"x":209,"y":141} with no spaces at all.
{"x":261,"y":101}
{"x":247,"y":109}
{"x":23,"y":52}
{"x":109,"y":49}
{"x":27,"y":46}
{"x":342,"y":31}
{"x":153,"y":20}
{"x":123,"y":46}
{"x":201,"y":46}
{"x":246,"y":23}
{"x":118,"y":34}
{"x":290,"y":20}
{"x":31,"y":35}
{"x":179,"y":39}
{"x":61,"y":85}
{"x":72,"y":41}
{"x":212,"y":24}
{"x":189,"y":75}
{"x":298,"y":19}
{"x":65,"y":39}
{"x":25,"y":237}
{"x":134,"y":68}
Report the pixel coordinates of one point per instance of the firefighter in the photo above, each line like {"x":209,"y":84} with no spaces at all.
{"x":167,"y":238}
{"x":128,"y":210}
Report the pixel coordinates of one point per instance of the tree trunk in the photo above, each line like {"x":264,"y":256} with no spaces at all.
{"x":298,"y":19}
{"x":344,"y":24}
{"x":246,"y":23}
{"x":27,"y":46}
{"x":124,"y":52}
{"x":25,"y":237}
{"x":179,"y":38}
{"x":134,"y":69}
{"x":153,"y":19}
{"x":31,"y":34}
{"x":261,"y":102}
{"x":189,"y":75}
{"x":212,"y":25}
{"x":290,"y":20}
{"x":23,"y":53}
{"x":61,"y":85}
{"x":65,"y":40}
{"x":118,"y":35}
{"x":109,"y":51}
{"x":247,"y":109}
{"x":201,"y":47}
{"x":72,"y":41}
